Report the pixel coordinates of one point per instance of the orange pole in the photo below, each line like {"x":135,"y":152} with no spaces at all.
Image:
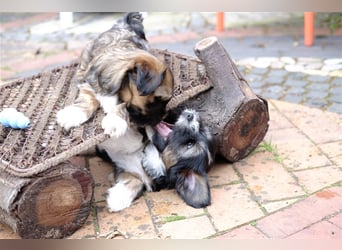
{"x":309,"y":28}
{"x":219,"y":21}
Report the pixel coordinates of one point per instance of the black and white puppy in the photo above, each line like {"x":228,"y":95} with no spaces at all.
{"x":157,"y":158}
{"x":187,"y":153}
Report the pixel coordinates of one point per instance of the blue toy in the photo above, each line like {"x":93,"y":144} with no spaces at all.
{"x":11,"y":118}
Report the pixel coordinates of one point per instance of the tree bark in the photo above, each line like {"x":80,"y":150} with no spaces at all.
{"x":237,"y":117}
{"x":53,"y":204}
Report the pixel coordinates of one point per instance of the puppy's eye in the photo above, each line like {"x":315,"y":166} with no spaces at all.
{"x":190,"y":144}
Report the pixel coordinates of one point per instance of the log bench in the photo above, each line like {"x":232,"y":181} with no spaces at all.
{"x":45,"y":195}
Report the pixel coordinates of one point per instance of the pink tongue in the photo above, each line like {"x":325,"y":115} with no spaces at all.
{"x":163,"y":129}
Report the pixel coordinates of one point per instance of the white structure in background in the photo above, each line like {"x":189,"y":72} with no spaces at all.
{"x":65,"y":19}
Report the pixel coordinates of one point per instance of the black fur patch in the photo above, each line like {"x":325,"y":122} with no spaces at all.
{"x":155,"y":112}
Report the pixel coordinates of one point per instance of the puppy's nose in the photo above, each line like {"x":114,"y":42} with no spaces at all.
{"x":189,"y":116}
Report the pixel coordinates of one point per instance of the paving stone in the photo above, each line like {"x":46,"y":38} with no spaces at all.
{"x":275,"y":89}
{"x":301,"y":215}
{"x":100,"y":171}
{"x":305,"y":118}
{"x":277,"y":120}
{"x":271,"y":79}
{"x":259,"y":71}
{"x":253,"y":77}
{"x":316,"y":72}
{"x":337,"y":161}
{"x":332,"y":149}
{"x":246,"y":61}
{"x":332,"y":67}
{"x":335,"y":107}
{"x":269,"y":94}
{"x":232,"y":206}
{"x":314,"y":66}
{"x":268,"y":59}
{"x":294,"y":98}
{"x":337,"y":81}
{"x":337,"y":220}
{"x":294,"y":67}
{"x":318,"y":86}
{"x":336,"y":88}
{"x":296,"y":76}
{"x":277,"y":65}
{"x":336,"y":73}
{"x":245,"y":232}
{"x":261,"y":64}
{"x":336,"y":96}
{"x":335,"y":118}
{"x":316,"y":78}
{"x":242,"y":69}
{"x":320,"y":230}
{"x":333,"y":61}
{"x":257,"y":91}
{"x":167,"y":203}
{"x":295,"y":83}
{"x":267,"y":179}
{"x":222,"y":173}
{"x":192,"y":228}
{"x":308,"y":156}
{"x":133,"y":222}
{"x":87,"y":231}
{"x":296,"y":90}
{"x":309,"y":60}
{"x":318,"y":178}
{"x":288,"y":60}
{"x":273,"y":206}
{"x":316,"y":103}
{"x":278,"y":73}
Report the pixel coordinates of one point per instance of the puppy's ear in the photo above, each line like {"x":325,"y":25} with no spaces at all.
{"x":147,"y":79}
{"x":193,"y":188}
{"x":135,"y":21}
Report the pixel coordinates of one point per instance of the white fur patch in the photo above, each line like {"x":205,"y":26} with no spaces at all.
{"x":71,"y":116}
{"x":108,"y":103}
{"x":119,"y":197}
{"x":152,"y":162}
{"x":114,"y":125}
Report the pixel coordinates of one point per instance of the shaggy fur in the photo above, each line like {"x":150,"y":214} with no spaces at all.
{"x":119,"y":74}
{"x":117,"y":68}
{"x":187,"y":154}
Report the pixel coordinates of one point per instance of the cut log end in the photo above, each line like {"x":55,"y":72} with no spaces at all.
{"x":55,"y":205}
{"x":204,"y":44}
{"x":245,"y":131}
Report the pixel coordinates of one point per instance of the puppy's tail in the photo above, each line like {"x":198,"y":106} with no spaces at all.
{"x":135,"y":21}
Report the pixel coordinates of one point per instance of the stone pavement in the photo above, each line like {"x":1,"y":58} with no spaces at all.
{"x":290,"y":187}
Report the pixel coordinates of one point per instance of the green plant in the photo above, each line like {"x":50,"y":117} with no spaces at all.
{"x":269,"y":147}
{"x":173,"y":218}
{"x":334,"y":21}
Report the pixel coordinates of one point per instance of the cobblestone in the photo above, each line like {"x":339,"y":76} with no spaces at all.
{"x":269,"y":194}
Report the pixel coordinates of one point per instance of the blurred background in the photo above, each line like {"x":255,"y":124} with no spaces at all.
{"x":269,"y":47}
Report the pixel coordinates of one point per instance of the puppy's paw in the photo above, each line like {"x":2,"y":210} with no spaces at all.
{"x":152,"y":163}
{"x":71,"y":116}
{"x":119,"y":197}
{"x":114,"y":125}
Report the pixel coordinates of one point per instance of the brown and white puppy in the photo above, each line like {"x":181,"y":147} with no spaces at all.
{"x":133,"y":87}
{"x":187,"y":152}
{"x":118,"y":73}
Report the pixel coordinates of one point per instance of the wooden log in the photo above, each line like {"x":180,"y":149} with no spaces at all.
{"x":53,"y":204}
{"x":237,"y":117}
